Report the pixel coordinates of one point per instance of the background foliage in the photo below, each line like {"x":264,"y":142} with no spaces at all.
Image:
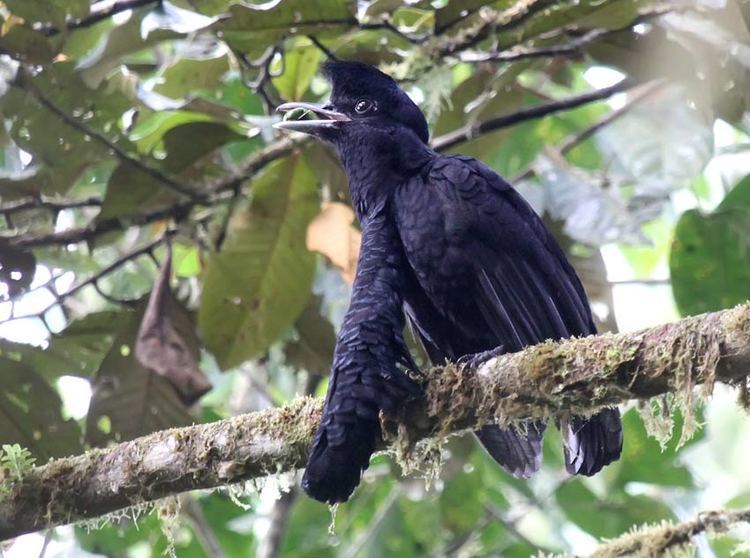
{"x":125,"y":129}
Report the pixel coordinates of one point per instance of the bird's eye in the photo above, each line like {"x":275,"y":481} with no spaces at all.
{"x":363,"y":106}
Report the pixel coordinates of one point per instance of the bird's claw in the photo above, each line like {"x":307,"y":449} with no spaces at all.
{"x":475,"y":360}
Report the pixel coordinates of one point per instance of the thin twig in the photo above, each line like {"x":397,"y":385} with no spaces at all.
{"x":471,"y":131}
{"x":572,"y":48}
{"x":512,"y":528}
{"x":218,"y":192}
{"x":270,"y":545}
{"x":322,"y":48}
{"x":95,"y":278}
{"x":203,"y":531}
{"x":103,"y":140}
{"x":99,"y":11}
{"x":639,"y":96}
{"x":50,"y":205}
{"x":380,"y":514}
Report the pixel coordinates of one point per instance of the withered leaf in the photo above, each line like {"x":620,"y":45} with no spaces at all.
{"x":167,"y":343}
{"x":332,"y":234}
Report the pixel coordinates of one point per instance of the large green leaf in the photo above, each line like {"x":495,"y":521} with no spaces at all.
{"x":78,"y":350}
{"x":252,"y":27}
{"x":710,"y":258}
{"x":259,"y":283}
{"x":48,"y":11}
{"x":312,"y":347}
{"x":31,"y":414}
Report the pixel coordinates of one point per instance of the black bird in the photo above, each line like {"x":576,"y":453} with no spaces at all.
{"x":471,"y":264}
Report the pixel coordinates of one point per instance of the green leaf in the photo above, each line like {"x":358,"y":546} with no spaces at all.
{"x":76,"y":351}
{"x":131,"y":190}
{"x":456,"y":10}
{"x":643,"y":460}
{"x":31,"y":414}
{"x":710,"y":254}
{"x":610,"y":516}
{"x":259,"y":283}
{"x":300,"y":65}
{"x":187,"y":77}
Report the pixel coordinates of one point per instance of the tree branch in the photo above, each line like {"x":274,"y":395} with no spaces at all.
{"x":639,"y":96}
{"x":218,"y":192}
{"x":550,"y":379}
{"x":471,"y":131}
{"x":572,"y":48}
{"x":51,"y":205}
{"x":99,"y":12}
{"x":121,"y":154}
{"x":658,"y":540}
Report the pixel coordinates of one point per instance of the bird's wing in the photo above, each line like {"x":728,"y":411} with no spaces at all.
{"x":367,"y":374}
{"x":527,"y":292}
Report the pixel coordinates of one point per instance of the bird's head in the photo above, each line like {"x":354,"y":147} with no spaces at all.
{"x":363,"y":100}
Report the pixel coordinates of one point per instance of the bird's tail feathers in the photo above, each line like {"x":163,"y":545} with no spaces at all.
{"x":518,"y":449}
{"x":592,"y":442}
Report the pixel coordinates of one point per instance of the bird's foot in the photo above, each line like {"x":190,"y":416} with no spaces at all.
{"x":475,"y":360}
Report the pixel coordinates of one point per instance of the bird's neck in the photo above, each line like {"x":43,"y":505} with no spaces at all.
{"x":377,"y":168}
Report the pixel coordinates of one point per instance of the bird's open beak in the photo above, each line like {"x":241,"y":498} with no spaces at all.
{"x":326,"y":119}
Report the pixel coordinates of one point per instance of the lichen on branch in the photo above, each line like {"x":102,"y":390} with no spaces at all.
{"x":550,"y":379}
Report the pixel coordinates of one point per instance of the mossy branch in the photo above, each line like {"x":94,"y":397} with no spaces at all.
{"x":666,"y":538}
{"x":550,"y":379}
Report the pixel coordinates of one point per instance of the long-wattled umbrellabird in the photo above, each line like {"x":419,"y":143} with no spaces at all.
{"x":453,"y":247}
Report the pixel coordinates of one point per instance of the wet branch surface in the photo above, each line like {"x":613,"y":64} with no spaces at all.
{"x":576,"y":375}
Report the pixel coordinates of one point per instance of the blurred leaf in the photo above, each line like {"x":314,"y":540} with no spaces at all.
{"x":332,"y":234}
{"x":455,"y":10}
{"x":76,"y":351}
{"x":48,"y":11}
{"x":643,"y":460}
{"x":31,"y":414}
{"x":300,"y":65}
{"x":168,"y":16}
{"x":592,"y":213}
{"x":710,"y":255}
{"x":251,"y":27}
{"x":26,"y":44}
{"x":461,"y":502}
{"x":188,"y":77}
{"x":259,"y":283}
{"x":312,"y":348}
{"x":47,"y":180}
{"x":115,"y":46}
{"x":661,"y":145}
{"x":607,"y":518}
{"x":128,"y":400}
{"x":131,"y":190}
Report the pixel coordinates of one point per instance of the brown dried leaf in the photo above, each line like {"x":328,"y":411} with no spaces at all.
{"x":332,"y":234}
{"x":167,"y":343}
